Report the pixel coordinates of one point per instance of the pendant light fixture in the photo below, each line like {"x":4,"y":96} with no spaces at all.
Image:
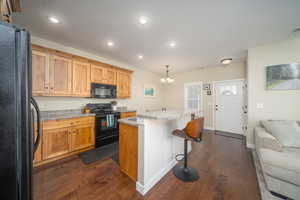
{"x":167,"y":78}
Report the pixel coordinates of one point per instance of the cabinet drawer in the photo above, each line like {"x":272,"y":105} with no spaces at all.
{"x":63,"y":123}
{"x":128,"y":114}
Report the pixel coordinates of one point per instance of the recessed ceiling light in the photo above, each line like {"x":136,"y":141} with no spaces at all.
{"x":54,"y":20}
{"x":140,"y":56}
{"x":110,"y":43}
{"x":143,"y":20}
{"x":172,"y":44}
{"x":226,"y":61}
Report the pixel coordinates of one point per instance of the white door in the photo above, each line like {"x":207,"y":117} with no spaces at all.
{"x":229,"y":104}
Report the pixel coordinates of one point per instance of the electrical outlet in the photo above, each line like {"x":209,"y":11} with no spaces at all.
{"x":259,"y":105}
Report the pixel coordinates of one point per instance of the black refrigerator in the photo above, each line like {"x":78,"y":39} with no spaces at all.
{"x":18,"y":114}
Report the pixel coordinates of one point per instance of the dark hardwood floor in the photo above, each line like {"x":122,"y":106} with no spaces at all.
{"x":224,"y":164}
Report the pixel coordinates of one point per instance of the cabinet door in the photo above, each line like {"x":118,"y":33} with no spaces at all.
{"x":127,"y":87}
{"x":40,"y":73}
{"x":123,"y":84}
{"x":82,"y":136}
{"x":111,"y":76}
{"x":38,"y":153}
{"x":56,"y":142}
{"x":81,"y":79}
{"x":128,"y":153}
{"x":97,"y":74}
{"x":60,"y":76}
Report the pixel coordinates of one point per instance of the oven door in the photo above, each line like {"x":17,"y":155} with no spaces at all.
{"x":103,"y":91}
{"x":107,"y":124}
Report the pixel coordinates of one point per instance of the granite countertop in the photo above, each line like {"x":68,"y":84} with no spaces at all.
{"x":63,"y":114}
{"x":165,"y":115}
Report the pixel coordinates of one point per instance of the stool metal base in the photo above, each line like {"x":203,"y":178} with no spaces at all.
{"x":187,"y":174}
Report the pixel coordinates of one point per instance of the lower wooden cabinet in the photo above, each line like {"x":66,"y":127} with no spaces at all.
{"x":38,"y":153}
{"x":128,"y":114}
{"x":128,"y":150}
{"x":81,"y":137}
{"x":62,"y":138}
{"x":56,"y":142}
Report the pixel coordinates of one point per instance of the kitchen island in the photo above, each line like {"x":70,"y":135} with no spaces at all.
{"x":151,"y":136}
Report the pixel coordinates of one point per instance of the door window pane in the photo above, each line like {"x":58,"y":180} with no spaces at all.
{"x":193,"y":96}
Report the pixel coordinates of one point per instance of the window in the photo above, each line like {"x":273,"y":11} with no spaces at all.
{"x":193,"y":96}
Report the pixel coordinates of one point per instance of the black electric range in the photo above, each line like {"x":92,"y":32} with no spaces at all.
{"x":107,"y":126}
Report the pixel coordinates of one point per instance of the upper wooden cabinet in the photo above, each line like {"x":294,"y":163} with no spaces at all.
{"x":60,"y":76}
{"x":123,"y":84}
{"x":97,"y":74}
{"x":103,"y":74}
{"x":111,"y":76}
{"x":56,"y":73}
{"x":81,"y":79}
{"x":40,"y":73}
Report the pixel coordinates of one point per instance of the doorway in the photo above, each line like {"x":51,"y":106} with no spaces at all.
{"x":229,"y":106}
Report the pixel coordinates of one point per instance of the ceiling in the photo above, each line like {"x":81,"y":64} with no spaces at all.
{"x":205,"y":31}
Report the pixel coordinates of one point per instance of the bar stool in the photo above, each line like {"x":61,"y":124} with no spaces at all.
{"x":192,"y":132}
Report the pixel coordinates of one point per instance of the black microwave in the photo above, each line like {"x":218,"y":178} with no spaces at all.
{"x":103,"y":91}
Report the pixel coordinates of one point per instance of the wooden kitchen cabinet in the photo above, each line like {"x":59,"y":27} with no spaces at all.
{"x":40,"y":73}
{"x":111,"y":76}
{"x":56,"y":142}
{"x":82,"y":136}
{"x":38,"y":153}
{"x":123,"y":84}
{"x":128,"y":114}
{"x":103,"y":74}
{"x":65,"y":137}
{"x":97,"y":74}
{"x":51,"y":74}
{"x":81,"y":79}
{"x":55,"y":73}
{"x":128,"y":150}
{"x":60,"y":76}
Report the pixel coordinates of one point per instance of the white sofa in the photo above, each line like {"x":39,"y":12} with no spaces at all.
{"x":280,"y":163}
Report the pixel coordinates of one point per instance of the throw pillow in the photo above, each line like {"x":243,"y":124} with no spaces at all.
{"x":286,"y":132}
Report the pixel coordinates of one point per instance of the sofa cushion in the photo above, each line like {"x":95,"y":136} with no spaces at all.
{"x":282,"y":165}
{"x":286,"y":132}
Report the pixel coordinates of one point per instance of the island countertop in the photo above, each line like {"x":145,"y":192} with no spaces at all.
{"x":165,"y":115}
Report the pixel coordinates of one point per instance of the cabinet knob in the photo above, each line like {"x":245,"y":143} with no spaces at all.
{"x":46,"y":87}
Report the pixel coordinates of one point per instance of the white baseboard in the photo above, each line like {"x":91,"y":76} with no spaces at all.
{"x":143,"y":189}
{"x":250,"y":146}
{"x":209,"y":128}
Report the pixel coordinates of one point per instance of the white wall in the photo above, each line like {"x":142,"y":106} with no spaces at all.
{"x":277,"y":104}
{"x":174,"y":97}
{"x":139,"y":78}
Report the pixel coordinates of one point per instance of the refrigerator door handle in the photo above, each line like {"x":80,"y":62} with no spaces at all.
{"x":38,"y":116}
